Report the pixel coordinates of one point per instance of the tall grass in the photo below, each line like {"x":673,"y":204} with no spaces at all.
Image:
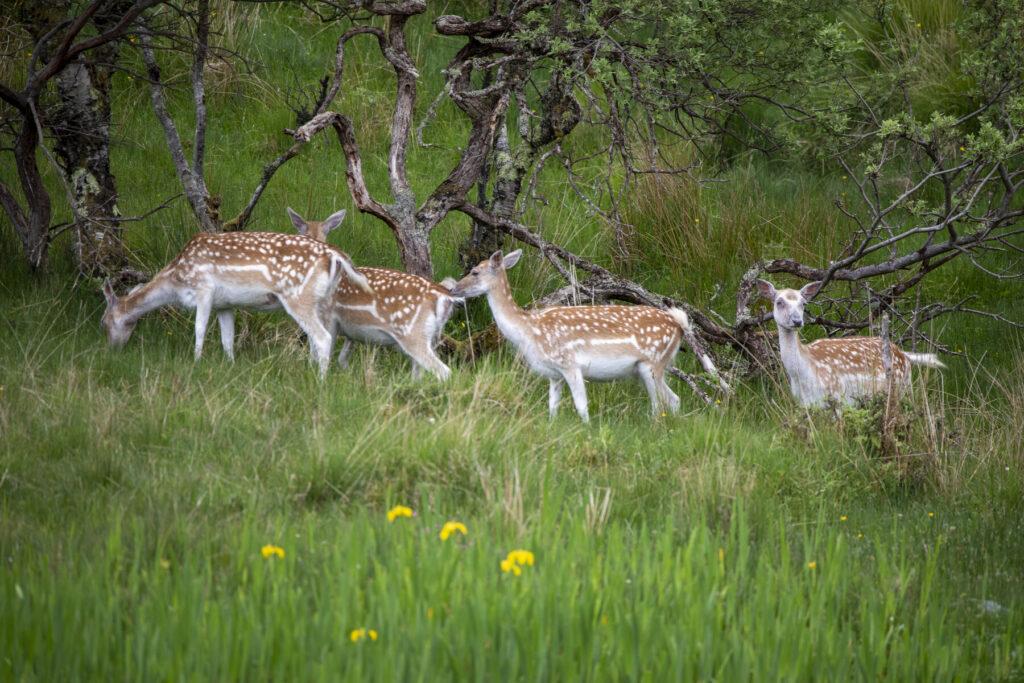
{"x":749,"y":540}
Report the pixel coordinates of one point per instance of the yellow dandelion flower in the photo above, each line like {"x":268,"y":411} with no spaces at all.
{"x":931,"y":514}
{"x":399,"y":511}
{"x":919,"y":24}
{"x":373,"y":634}
{"x":663,"y":414}
{"x":761,"y":52}
{"x":961,"y":149}
{"x":271,"y":550}
{"x":510,"y":566}
{"x":812,"y":565}
{"x":450,"y":528}
{"x":521,"y":557}
{"x":842,"y":519}
{"x":860,"y":535}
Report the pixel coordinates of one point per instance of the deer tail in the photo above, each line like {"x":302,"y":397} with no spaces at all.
{"x":683,"y":320}
{"x":929,"y":359}
{"x":341,"y":264}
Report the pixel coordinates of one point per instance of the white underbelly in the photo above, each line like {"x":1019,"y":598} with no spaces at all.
{"x":366,"y":334}
{"x":606,"y":368}
{"x":253,"y":298}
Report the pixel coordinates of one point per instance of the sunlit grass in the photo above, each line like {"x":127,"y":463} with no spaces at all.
{"x":164,"y":518}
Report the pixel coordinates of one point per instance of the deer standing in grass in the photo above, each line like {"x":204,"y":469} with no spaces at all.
{"x":573,"y":343}
{"x":260,"y":271}
{"x":842,"y":369}
{"x":404,"y":310}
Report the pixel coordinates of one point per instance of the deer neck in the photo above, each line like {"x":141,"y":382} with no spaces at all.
{"x":152,"y":295}
{"x":509,"y":317}
{"x":796,"y":358}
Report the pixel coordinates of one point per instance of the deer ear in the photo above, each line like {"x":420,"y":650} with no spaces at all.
{"x":809,"y":290}
{"x":297,"y":221}
{"x":108,"y":292}
{"x":497,"y":260}
{"x":333,"y":221}
{"x":512,"y":258}
{"x":766,"y":289}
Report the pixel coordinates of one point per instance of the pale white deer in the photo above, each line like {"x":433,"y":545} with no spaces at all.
{"x":841,"y":369}
{"x":404,"y":310}
{"x":571,"y":344}
{"x":260,"y":271}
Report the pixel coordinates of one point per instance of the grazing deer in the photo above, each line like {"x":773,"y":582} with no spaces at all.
{"x":261,"y":271}
{"x":842,"y":369}
{"x":404,"y":310}
{"x":573,"y":343}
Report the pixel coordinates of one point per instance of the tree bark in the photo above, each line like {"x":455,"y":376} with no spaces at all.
{"x":82,"y":129}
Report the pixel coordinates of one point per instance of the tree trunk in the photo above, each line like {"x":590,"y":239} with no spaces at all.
{"x":32,"y":227}
{"x":82,"y":130}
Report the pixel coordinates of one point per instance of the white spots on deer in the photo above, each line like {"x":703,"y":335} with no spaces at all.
{"x":572,"y":343}
{"x":403,"y":310}
{"x":842,"y":369}
{"x":221,"y":272}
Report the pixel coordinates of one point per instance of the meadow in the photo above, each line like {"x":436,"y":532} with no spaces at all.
{"x":165,"y":519}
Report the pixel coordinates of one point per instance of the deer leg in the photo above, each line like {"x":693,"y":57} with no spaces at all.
{"x":346,"y":352}
{"x":424,"y":358}
{"x":667,"y":395}
{"x":646,"y":373}
{"x":574,"y":378}
{"x":320,"y":338}
{"x":554,"y":395}
{"x":226,"y":318}
{"x":204,"y":305}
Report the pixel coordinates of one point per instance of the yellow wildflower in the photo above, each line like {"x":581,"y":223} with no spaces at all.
{"x":515,"y":559}
{"x":521,"y":557}
{"x":450,"y":528}
{"x":510,"y":566}
{"x":271,"y":550}
{"x":931,"y":514}
{"x":399,"y":511}
{"x":361,"y":633}
{"x":812,"y":565}
{"x":842,"y":519}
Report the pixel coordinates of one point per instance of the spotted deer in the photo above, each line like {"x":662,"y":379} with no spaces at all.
{"x":841,"y":369}
{"x":403,"y":310}
{"x":260,"y":271}
{"x":571,"y":344}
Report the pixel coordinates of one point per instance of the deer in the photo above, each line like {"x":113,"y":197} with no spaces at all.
{"x":571,"y":344}
{"x":403,"y":310}
{"x":842,"y":369}
{"x":260,"y":271}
